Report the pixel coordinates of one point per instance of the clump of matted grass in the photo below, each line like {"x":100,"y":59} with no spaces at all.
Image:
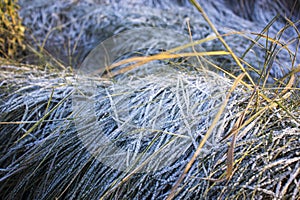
{"x":44,"y":156}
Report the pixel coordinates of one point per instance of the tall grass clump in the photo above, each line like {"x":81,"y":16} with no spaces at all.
{"x":213,"y":122}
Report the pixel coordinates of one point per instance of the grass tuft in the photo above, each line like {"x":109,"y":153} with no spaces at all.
{"x":175,"y":133}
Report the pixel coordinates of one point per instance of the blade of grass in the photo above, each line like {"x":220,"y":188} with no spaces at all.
{"x":192,"y":42}
{"x":146,"y":59}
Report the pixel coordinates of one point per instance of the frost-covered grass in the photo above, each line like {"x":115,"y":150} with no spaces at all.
{"x":175,"y":132}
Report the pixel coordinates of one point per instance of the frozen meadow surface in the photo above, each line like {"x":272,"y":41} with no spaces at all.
{"x":68,"y":136}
